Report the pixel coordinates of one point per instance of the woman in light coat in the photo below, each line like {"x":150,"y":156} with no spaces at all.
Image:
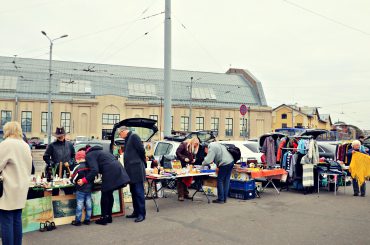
{"x":15,"y":168}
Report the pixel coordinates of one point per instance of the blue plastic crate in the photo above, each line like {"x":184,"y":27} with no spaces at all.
{"x":242,"y":185}
{"x":242,"y":194}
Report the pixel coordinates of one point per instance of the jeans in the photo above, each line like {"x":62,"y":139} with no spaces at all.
{"x":83,"y":199}
{"x":138,"y":198}
{"x":106,"y":203}
{"x":223,"y":181}
{"x":356,"y":189}
{"x":11,"y":226}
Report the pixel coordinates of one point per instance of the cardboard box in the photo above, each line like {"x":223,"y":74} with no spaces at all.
{"x":210,"y":182}
{"x":239,"y":176}
{"x":211,"y":191}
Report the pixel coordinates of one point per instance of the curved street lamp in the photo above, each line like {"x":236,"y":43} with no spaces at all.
{"x":49,"y":92}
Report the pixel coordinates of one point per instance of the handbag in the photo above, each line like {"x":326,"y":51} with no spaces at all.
{"x":1,"y":184}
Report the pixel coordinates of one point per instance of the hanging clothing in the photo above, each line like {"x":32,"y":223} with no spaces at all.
{"x":280,"y":149}
{"x":313,"y":152}
{"x":308,"y":175}
{"x":360,"y":167}
{"x":269,"y":149}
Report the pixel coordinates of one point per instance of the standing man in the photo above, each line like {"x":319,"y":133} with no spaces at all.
{"x":218,"y":154}
{"x":59,"y":156}
{"x":134,"y":161}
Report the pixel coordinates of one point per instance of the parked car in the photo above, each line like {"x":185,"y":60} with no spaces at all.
{"x":36,"y":143}
{"x":327,"y":149}
{"x":169,"y":145}
{"x":81,"y":139}
{"x":248,"y":150}
{"x":103,"y":143}
{"x":367,"y":142}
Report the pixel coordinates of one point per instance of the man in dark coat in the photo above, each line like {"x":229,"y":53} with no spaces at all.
{"x":59,"y":156}
{"x":114,"y":177}
{"x":135,"y":161}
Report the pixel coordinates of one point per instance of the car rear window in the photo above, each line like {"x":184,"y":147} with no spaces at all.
{"x":252,"y":147}
{"x":163,"y":149}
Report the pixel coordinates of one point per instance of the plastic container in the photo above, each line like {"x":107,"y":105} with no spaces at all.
{"x":242,"y":194}
{"x":242,"y":185}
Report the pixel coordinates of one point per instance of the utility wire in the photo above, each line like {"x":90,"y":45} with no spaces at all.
{"x":327,"y":18}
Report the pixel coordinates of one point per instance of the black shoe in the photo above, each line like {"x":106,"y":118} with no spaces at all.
{"x":86,"y":222}
{"x":355,"y":195}
{"x":363,"y":195}
{"x":101,"y":221}
{"x":139,"y":219}
{"x":76,"y":223}
{"x":132,"y":216}
{"x":218,"y":201}
{"x":109,"y":219}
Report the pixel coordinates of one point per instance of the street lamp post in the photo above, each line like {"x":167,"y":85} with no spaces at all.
{"x":50,"y":75}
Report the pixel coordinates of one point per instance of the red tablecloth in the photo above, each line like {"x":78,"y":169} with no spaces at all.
{"x":267,"y":173}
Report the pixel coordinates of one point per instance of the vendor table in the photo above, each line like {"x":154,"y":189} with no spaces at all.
{"x":268,"y":174}
{"x":153,"y":179}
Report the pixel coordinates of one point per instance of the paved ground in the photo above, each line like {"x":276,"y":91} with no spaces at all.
{"x":288,"y":218}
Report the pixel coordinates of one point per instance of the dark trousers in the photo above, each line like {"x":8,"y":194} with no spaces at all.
{"x":11,"y":226}
{"x":223,"y":181}
{"x":356,"y":189}
{"x":138,"y":198}
{"x":106,"y":203}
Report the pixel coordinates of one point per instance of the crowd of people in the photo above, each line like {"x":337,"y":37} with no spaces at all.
{"x":88,"y":162}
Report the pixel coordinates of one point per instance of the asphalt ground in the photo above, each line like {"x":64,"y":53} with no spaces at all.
{"x":288,"y":218}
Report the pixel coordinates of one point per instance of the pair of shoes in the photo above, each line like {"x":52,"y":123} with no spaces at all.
{"x":76,"y":223}
{"x":86,"y":222}
{"x":101,"y":221}
{"x":363,"y":195}
{"x":132,"y":216}
{"x":139,"y":219}
{"x":181,"y":199}
{"x":218,"y":201}
{"x":355,"y":195}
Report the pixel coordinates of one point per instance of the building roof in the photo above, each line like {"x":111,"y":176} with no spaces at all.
{"x":77,"y":80}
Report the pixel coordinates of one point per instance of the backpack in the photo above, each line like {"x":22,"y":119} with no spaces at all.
{"x":234,"y":151}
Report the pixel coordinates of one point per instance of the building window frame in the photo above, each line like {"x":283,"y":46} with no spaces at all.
{"x":65,"y":121}
{"x":44,"y":121}
{"x":229,"y":127}
{"x":284,"y":125}
{"x":6,"y":116}
{"x":215,"y":123}
{"x":184,"y":123}
{"x":199,"y":123}
{"x":110,"y":119}
{"x":26,"y":121}
{"x":243,"y":131}
{"x":284,"y":116}
{"x":154,"y":117}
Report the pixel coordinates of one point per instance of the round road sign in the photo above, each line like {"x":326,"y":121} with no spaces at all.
{"x":243,"y":109}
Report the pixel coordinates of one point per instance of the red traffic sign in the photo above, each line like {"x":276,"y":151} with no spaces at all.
{"x":243,"y":109}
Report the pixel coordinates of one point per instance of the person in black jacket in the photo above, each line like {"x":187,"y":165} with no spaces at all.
{"x":60,"y":153}
{"x":83,"y":193}
{"x":135,"y":161}
{"x":114,"y":177}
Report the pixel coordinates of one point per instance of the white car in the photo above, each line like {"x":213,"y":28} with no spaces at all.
{"x":165,"y":148}
{"x":248,"y":149}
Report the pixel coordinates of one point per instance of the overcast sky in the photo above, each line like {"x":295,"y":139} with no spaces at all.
{"x":309,"y":52}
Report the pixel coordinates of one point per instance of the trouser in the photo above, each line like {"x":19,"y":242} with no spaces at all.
{"x":11,"y":226}
{"x":83,"y":200}
{"x":106,"y":203}
{"x":138,"y":198}
{"x":223,"y":181}
{"x":356,"y":187}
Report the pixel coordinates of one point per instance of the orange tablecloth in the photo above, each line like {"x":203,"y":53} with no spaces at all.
{"x":267,"y":173}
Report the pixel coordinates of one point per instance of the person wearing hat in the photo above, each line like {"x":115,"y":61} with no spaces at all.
{"x":60,"y":153}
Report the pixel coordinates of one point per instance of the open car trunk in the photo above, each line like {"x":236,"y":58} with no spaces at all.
{"x":144,"y":127}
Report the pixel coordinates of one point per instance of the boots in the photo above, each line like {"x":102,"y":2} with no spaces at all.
{"x":180,"y":190}
{"x":102,"y":221}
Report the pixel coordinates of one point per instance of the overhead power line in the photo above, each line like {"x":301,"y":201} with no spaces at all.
{"x":327,"y":18}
